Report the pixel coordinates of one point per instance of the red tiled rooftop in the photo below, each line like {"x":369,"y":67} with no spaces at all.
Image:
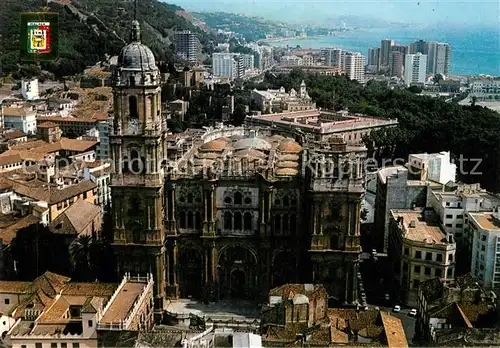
{"x":123,"y":303}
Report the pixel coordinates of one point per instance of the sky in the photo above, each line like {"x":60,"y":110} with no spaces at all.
{"x":426,"y":12}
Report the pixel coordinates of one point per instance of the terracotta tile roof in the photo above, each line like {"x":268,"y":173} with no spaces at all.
{"x":16,"y":112}
{"x":8,"y":231}
{"x":47,"y":125}
{"x":10,"y":159}
{"x":13,"y":134}
{"x":39,"y":190}
{"x":123,"y":302}
{"x":76,"y":218}
{"x":25,"y":155}
{"x":90,"y":289}
{"x":288,"y":291}
{"x":394,"y":331}
{"x":13,"y":287}
{"x":77,"y":145}
{"x":365,"y":323}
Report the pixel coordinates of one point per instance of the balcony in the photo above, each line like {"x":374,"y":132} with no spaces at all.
{"x":129,"y":179}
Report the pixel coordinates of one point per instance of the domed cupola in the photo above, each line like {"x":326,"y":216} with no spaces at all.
{"x":136,"y":62}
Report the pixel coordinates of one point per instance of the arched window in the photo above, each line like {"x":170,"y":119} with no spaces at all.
{"x":238,"y":221}
{"x":182,"y":219}
{"x":286,"y":201}
{"x":247,"y":221}
{"x":132,"y":108}
{"x":125,"y":165}
{"x":228,"y":221}
{"x":198,"y":220}
{"x":285,"y":223}
{"x":190,"y":198}
{"x":190,"y":222}
{"x":293,"y":224}
{"x":277,"y":223}
{"x":132,"y":81}
{"x":238,"y":198}
{"x":135,"y":162}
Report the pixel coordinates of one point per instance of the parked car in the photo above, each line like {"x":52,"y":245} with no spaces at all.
{"x":413,"y":313}
{"x":396,"y":309}
{"x":387,"y":297}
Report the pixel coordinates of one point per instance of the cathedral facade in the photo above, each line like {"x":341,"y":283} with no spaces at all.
{"x":227,"y":211}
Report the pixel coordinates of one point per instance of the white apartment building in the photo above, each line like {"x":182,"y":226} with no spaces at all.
{"x":485,"y":88}
{"x":228,"y":65}
{"x":100,"y":174}
{"x":355,"y":66}
{"x":29,"y":89}
{"x":307,"y":60}
{"x":334,"y":57}
{"x":415,"y":68}
{"x":420,"y":250}
{"x":248,"y":61}
{"x":291,"y":61}
{"x":435,"y":167}
{"x":452,"y":207}
{"x":385,"y":51}
{"x":19,"y":117}
{"x":484,"y":234}
{"x":438,"y":58}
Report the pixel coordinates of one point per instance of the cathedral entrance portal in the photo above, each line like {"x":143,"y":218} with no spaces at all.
{"x":237,"y":283}
{"x":237,"y":272}
{"x":191,"y":274}
{"x":284,"y":268}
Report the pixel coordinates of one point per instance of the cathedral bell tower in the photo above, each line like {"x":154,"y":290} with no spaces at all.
{"x":137,"y":139}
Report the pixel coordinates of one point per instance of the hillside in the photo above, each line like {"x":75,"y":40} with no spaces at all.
{"x":91,"y":28}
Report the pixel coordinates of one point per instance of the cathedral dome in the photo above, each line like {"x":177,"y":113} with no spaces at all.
{"x":135,"y":55}
{"x":290,"y":146}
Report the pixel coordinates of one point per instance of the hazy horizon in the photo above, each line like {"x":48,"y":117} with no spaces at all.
{"x":423,"y":12}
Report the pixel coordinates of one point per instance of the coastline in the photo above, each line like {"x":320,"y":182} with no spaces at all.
{"x":281,"y":39}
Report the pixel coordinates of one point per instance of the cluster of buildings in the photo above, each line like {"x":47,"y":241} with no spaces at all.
{"x":239,"y":65}
{"x":412,"y":63}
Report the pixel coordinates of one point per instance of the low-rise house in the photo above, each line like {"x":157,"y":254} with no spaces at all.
{"x":20,"y":117}
{"x":456,"y":313}
{"x":419,"y":250}
{"x":54,"y":311}
{"x":99,"y":173}
{"x":81,"y":218}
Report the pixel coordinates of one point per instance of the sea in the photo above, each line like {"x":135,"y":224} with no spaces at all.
{"x":473,"y":51}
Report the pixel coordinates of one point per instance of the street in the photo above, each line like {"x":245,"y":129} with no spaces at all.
{"x":377,"y":283}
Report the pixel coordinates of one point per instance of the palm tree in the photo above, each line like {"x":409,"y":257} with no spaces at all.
{"x":84,"y":253}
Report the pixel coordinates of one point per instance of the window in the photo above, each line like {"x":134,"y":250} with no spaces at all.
{"x":449,"y":273}
{"x":418,"y":254}
{"x":64,"y":345}
{"x":228,"y":221}
{"x":428,"y":256}
{"x":416,"y":269}
{"x":248,"y":200}
{"x":439,"y":257}
{"x":53,"y":345}
{"x":286,"y":201}
{"x":132,"y":108}
{"x":38,"y":345}
{"x":190,"y":198}
{"x":449,"y":216}
{"x":6,"y":301}
{"x":85,"y":195}
{"x":460,"y":216}
{"x":238,"y":198}
{"x":23,"y":346}
{"x":76,"y":345}
{"x":238,"y":221}
{"x":459,"y":225}
{"x":407,"y":251}
{"x":228,"y":200}
{"x":448,"y":225}
{"x":483,"y":238}
{"x":90,"y":323}
{"x":437,"y":272}
{"x":190,"y":220}
{"x":416,"y":283}
{"x":447,"y":204}
{"x":451,"y":258}
{"x":427,"y":271}
{"x":247,"y":221}
{"x":197,"y":220}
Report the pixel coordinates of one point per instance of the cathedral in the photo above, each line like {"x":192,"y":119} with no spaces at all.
{"x":227,"y":212}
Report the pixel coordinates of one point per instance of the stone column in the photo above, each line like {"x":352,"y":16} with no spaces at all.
{"x":213,"y":264}
{"x":206,"y":274}
{"x":119,"y":158}
{"x":167,"y":260}
{"x":174,"y":261}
